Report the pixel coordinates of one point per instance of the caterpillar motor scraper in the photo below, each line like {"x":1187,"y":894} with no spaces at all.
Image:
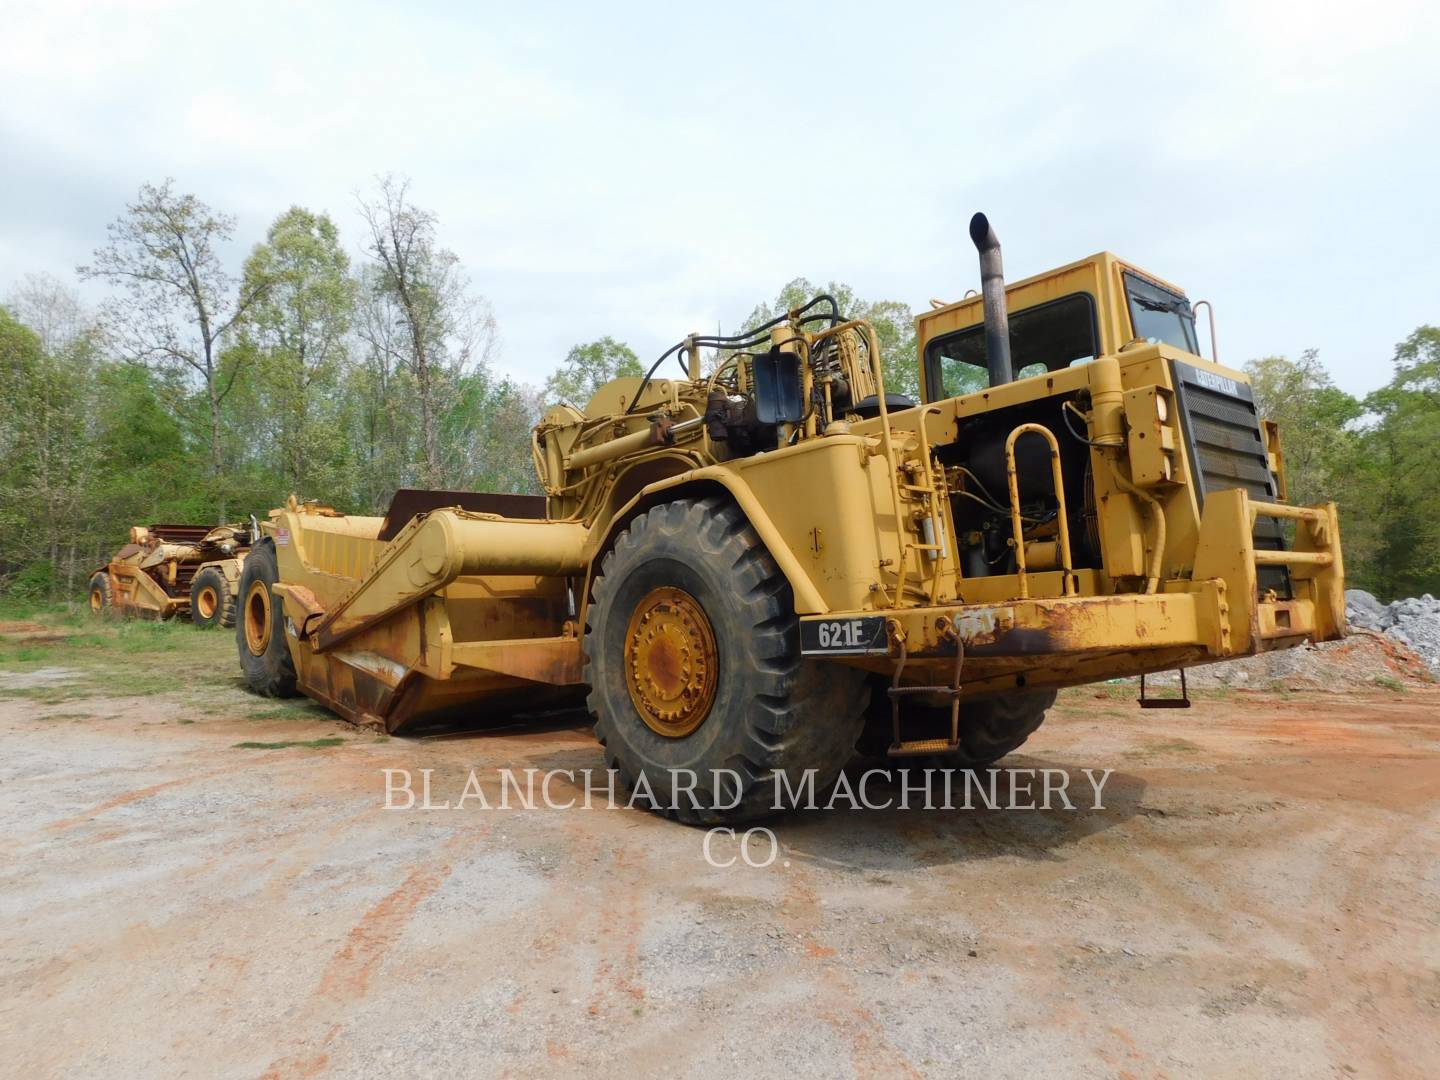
{"x":174,"y":570}
{"x":746,"y":573}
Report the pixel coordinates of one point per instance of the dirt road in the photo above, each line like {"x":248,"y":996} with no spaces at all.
{"x":1259,"y":897}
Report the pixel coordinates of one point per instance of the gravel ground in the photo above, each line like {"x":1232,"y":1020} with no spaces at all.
{"x":1260,"y":896}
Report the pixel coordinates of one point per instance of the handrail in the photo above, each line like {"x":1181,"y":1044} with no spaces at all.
{"x":1210,"y":310}
{"x":1067,"y":587}
{"x":1280,"y":510}
{"x":1265,"y":557}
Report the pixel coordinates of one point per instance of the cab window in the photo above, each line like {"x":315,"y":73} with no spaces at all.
{"x":1046,"y":337}
{"x":1160,"y":316}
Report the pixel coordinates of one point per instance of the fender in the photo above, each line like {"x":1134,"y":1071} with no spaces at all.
{"x":709,"y":480}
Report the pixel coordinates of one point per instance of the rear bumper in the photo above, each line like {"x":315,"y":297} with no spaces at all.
{"x":1218,"y":614}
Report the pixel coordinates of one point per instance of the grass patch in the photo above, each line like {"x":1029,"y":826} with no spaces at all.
{"x":118,"y":657}
{"x":12,"y":610}
{"x":145,"y":636}
{"x":45,"y":695}
{"x":1211,"y":693}
{"x":308,"y":744}
{"x":28,"y":654}
{"x":1389,"y":682}
{"x":299,"y":710}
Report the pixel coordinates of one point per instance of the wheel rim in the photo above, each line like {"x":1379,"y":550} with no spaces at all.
{"x":206,"y":602}
{"x":671,"y":664}
{"x":97,"y":601}
{"x":257,"y":618}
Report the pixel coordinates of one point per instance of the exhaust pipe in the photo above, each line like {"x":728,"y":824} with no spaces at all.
{"x":992,"y":291}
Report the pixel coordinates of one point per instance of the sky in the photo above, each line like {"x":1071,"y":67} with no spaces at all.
{"x":645,"y":170}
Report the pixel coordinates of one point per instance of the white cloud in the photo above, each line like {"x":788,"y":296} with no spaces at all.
{"x":645,"y":170}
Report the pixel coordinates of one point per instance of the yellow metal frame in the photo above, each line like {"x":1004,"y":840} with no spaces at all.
{"x":857,"y":516}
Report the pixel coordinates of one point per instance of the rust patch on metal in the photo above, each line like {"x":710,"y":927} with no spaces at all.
{"x":671,"y":662}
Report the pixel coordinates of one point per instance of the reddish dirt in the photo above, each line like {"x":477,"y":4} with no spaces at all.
{"x":24,"y":632}
{"x":1257,"y":897}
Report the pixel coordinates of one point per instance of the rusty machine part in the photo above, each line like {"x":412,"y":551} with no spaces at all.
{"x":671,"y":664}
{"x":746,"y":570}
{"x":175,"y":570}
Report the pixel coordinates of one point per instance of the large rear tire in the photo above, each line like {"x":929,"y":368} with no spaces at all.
{"x":990,"y":728}
{"x":212,"y":603}
{"x":260,"y":626}
{"x":693,"y":655}
{"x":101,"y":602}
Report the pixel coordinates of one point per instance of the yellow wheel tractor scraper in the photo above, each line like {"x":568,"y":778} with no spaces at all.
{"x":751,"y":571}
{"x":167,"y":571}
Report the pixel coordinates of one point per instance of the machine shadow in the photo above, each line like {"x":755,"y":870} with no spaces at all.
{"x":959,"y":829}
{"x":970,"y":824}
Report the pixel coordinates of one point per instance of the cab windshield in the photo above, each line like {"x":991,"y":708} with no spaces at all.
{"x":1159,"y":316}
{"x":1046,"y":337}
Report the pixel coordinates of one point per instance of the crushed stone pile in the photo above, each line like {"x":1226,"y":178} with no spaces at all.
{"x":1390,"y":646}
{"x":1414,"y":622}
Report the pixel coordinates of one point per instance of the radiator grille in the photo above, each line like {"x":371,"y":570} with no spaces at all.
{"x":1227,"y":450}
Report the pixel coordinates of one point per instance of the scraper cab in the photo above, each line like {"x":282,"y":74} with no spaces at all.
{"x":747,"y":571}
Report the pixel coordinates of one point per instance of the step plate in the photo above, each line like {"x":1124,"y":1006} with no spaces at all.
{"x":917,"y":747}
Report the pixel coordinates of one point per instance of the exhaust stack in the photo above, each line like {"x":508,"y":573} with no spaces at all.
{"x":992,"y":291}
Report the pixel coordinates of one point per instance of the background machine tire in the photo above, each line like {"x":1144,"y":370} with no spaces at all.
{"x":100,"y":598}
{"x":212,"y":603}
{"x":693,"y":658}
{"x":260,"y":626}
{"x":990,"y":728}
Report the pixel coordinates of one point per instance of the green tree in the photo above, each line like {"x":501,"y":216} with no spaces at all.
{"x":420,"y":316}
{"x":486,"y":431}
{"x":177,"y":302}
{"x":589,"y":367}
{"x":144,"y":472}
{"x":299,"y":328}
{"x":46,"y":446}
{"x":1397,"y":490}
{"x":1315,"y":418}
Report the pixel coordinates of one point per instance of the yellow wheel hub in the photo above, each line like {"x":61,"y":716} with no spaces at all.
{"x":257,"y":618}
{"x":671,"y":666}
{"x":97,"y":599}
{"x":207,"y":602}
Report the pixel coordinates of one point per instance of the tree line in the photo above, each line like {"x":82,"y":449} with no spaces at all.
{"x":192,"y":394}
{"x":1377,"y":456}
{"x":195,"y":395}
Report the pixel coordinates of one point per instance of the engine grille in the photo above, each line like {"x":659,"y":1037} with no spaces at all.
{"x":1222,"y":431}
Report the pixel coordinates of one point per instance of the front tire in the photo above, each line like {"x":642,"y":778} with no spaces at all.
{"x":212,"y":604}
{"x":693,"y":655}
{"x":260,"y":626}
{"x":101,"y":602}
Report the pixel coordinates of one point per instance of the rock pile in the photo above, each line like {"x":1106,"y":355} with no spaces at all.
{"x":1414,"y":622}
{"x":1391,"y":646}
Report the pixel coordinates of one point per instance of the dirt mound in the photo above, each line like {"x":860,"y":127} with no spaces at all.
{"x":25,"y":632}
{"x":1364,"y":660}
